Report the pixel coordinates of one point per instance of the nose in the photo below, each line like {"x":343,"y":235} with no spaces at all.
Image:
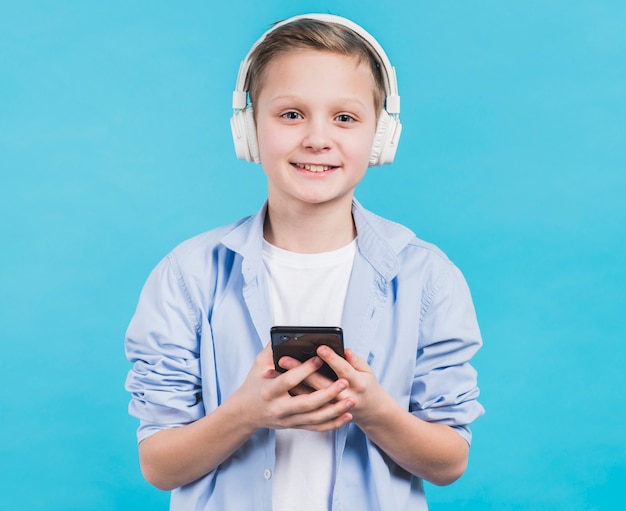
{"x":317,"y":136}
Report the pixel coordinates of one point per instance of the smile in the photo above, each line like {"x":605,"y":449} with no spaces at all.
{"x":313,"y":168}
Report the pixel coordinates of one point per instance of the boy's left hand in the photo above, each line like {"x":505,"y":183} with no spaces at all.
{"x":363,"y":390}
{"x":434,"y":452}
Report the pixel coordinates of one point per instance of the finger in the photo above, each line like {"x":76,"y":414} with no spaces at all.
{"x":265,"y":358}
{"x":264,"y":363}
{"x":316,"y":380}
{"x":287,"y":362}
{"x":337,"y":363}
{"x":355,"y":361}
{"x":303,"y":388}
{"x":318,"y":399}
{"x":326,"y":417}
{"x":297,"y":372}
{"x":349,"y":354}
{"x":328,"y":425}
{"x":307,"y":408}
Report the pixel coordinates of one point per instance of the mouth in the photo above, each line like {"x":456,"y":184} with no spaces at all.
{"x":314,"y":168}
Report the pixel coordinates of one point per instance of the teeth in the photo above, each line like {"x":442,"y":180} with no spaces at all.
{"x":314,"y":168}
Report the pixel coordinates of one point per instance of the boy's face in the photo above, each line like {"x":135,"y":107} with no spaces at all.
{"x":316,"y":122}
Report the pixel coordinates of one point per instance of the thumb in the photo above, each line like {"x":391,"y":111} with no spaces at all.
{"x":355,"y":361}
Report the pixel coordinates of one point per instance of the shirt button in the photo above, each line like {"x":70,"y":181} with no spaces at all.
{"x":267,"y":474}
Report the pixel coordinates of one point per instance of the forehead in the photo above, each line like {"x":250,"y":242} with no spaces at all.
{"x":311,"y":69}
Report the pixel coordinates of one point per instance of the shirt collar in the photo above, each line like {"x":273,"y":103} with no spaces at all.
{"x":379,"y":240}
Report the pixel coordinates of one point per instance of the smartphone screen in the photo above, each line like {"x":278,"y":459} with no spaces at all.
{"x":301,"y":343}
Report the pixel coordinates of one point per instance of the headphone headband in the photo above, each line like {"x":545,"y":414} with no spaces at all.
{"x":389,"y":127}
{"x":392,"y":100}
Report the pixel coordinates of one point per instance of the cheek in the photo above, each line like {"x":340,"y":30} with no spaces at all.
{"x":362,"y":148}
{"x":272,"y":141}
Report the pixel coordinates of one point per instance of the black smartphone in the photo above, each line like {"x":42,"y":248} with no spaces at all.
{"x":301,"y":343}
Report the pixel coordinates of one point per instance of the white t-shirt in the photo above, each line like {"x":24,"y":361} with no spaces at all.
{"x":306,"y":290}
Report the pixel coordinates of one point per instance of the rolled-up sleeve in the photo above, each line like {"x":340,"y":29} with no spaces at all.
{"x":162,"y":343}
{"x":445,"y":385}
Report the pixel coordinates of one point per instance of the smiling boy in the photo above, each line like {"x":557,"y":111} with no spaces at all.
{"x":218,"y":424}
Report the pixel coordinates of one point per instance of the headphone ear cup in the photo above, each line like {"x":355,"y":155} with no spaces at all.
{"x":238,"y":127}
{"x":244,"y":135}
{"x":385,"y":140}
{"x":253,"y":146}
{"x":379,"y":138}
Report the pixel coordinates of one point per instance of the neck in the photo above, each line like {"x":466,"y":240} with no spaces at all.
{"x":310,"y":229}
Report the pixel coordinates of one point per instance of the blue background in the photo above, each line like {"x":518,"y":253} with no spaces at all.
{"x":115,"y":146}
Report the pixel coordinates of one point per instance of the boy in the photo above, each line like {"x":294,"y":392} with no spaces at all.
{"x":218,"y":424}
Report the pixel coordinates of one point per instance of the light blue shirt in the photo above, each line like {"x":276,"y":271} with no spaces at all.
{"x":204,"y":315}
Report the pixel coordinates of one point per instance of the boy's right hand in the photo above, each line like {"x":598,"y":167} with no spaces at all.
{"x":265,"y":400}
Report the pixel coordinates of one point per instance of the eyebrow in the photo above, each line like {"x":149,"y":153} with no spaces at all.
{"x":338,"y":99}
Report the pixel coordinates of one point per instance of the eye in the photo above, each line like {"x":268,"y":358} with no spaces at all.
{"x":345,"y":118}
{"x":291,"y":116}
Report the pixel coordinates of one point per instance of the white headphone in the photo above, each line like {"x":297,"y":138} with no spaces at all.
{"x":388,"y":129}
